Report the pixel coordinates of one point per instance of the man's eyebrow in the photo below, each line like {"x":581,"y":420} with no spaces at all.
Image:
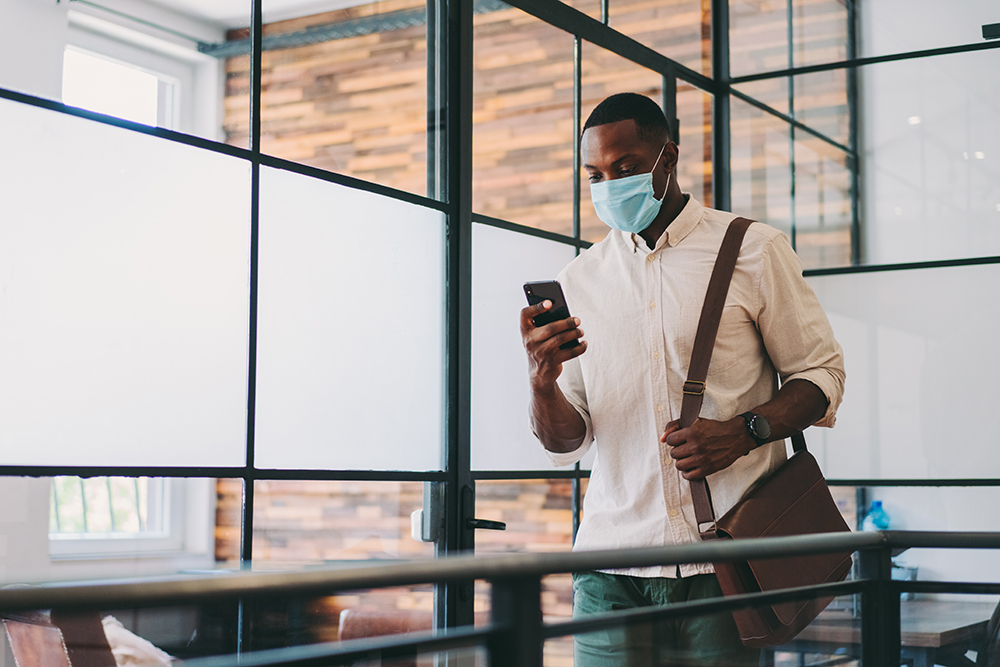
{"x":627,"y":156}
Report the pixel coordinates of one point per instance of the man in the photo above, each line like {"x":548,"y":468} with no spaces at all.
{"x":639,"y":294}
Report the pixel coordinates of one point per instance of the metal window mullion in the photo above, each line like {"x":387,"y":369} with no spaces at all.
{"x":790,"y":35}
{"x":256,"y":73}
{"x":854,"y":138}
{"x":454,"y":599}
{"x":721,"y":168}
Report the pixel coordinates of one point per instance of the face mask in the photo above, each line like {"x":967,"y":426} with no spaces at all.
{"x":628,"y":204}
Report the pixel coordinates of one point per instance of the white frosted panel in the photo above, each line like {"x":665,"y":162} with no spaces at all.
{"x":124,"y":264}
{"x":502,"y":262}
{"x":922,"y":368}
{"x":350,"y":347}
{"x":931,"y":158}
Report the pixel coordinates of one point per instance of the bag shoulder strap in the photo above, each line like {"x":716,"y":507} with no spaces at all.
{"x":701,"y":356}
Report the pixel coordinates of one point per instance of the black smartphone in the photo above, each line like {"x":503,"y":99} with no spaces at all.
{"x":551,"y":290}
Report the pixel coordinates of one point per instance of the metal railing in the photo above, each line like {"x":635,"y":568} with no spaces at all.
{"x":516,"y":632}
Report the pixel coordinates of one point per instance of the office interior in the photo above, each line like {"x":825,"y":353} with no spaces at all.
{"x":261,"y":262}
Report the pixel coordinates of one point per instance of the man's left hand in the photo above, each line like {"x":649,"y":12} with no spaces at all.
{"x":706,"y":446}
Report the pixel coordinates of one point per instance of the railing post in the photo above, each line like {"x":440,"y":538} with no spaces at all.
{"x":880,"y":632}
{"x":517,"y":612}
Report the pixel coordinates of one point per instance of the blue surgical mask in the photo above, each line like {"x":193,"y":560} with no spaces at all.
{"x":628,"y":204}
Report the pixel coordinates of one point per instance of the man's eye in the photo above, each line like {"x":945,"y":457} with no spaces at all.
{"x":627,"y":171}
{"x":593,"y":178}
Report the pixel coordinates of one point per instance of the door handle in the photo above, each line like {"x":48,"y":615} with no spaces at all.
{"x":484,"y":524}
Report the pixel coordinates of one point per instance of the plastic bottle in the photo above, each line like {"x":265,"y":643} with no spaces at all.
{"x":876,"y":519}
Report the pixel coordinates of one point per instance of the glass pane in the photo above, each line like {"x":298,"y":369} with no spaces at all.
{"x":346,"y":90}
{"x":772,"y":92}
{"x":350,"y":352}
{"x":69,"y":529}
{"x":679,"y":29}
{"x":760,"y":166}
{"x":892,"y":26}
{"x":819,"y":31}
{"x":311,"y":522}
{"x":522,"y":132}
{"x":591,"y":8}
{"x":758,"y":36}
{"x":694,"y":170}
{"x":821,"y":103}
{"x":502,"y":262}
{"x":604,"y":74}
{"x":900,"y":361}
{"x":931,"y":159}
{"x":123,"y":339}
{"x":942,"y":508}
{"x":822,"y":203}
{"x":538,"y":514}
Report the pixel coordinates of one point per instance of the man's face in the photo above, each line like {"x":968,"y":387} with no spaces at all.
{"x":615,"y":151}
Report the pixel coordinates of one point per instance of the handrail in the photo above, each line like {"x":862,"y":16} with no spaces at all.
{"x":160,"y":591}
{"x":175,"y":589}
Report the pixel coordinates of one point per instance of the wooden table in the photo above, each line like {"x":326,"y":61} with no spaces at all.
{"x":931,"y":631}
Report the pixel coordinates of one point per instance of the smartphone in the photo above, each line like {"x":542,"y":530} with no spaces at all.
{"x":551,"y":290}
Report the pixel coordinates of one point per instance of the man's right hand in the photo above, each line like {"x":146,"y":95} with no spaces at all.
{"x":545,"y":358}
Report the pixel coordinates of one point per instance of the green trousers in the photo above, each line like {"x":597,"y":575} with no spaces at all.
{"x":697,"y":640}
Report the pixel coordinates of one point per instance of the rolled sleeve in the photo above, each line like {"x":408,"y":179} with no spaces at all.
{"x":796,"y":331}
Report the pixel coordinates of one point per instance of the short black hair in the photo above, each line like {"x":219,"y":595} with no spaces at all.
{"x":650,"y":122}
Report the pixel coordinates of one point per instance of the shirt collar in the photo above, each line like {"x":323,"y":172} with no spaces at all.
{"x":676,"y":231}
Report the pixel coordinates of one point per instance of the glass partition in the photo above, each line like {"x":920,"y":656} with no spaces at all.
{"x":931,"y":159}
{"x":124,"y":269}
{"x":761,"y":175}
{"x":892,"y":26}
{"x":908,"y":337}
{"x":679,"y":29}
{"x":350,"y":348}
{"x":345,"y":89}
{"x":502,"y":262}
{"x":522,"y":135}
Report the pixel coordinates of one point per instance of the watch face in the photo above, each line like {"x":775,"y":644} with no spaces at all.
{"x":761,"y":427}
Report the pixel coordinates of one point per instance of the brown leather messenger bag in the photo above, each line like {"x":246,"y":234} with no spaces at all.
{"x":794,"y":500}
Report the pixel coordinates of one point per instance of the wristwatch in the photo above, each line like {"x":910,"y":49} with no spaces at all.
{"x":758,"y":427}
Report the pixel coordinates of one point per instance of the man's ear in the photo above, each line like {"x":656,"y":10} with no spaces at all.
{"x":670,"y":156}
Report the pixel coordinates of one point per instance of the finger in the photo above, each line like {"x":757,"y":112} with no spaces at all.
{"x":562,"y":331}
{"x":528,"y":313}
{"x":677,"y":437}
{"x":670,"y":428}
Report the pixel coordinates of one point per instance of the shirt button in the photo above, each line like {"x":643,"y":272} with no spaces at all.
{"x":659,"y":408}
{"x":652,"y":304}
{"x":656,"y":355}
{"x":650,"y":257}
{"x":672,"y":513}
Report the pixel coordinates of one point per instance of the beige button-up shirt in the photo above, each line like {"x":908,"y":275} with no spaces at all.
{"x":639,"y":309}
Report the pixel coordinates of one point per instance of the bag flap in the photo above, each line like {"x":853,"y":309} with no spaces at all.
{"x":795,"y":500}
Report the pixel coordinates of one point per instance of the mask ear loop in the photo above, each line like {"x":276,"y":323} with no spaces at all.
{"x":665,"y":187}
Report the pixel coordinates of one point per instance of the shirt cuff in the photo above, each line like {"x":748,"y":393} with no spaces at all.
{"x":560,"y":459}
{"x":830,"y":385}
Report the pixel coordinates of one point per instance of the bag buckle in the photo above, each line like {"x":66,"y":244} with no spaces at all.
{"x":694,"y":388}
{"x":708,"y":530}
